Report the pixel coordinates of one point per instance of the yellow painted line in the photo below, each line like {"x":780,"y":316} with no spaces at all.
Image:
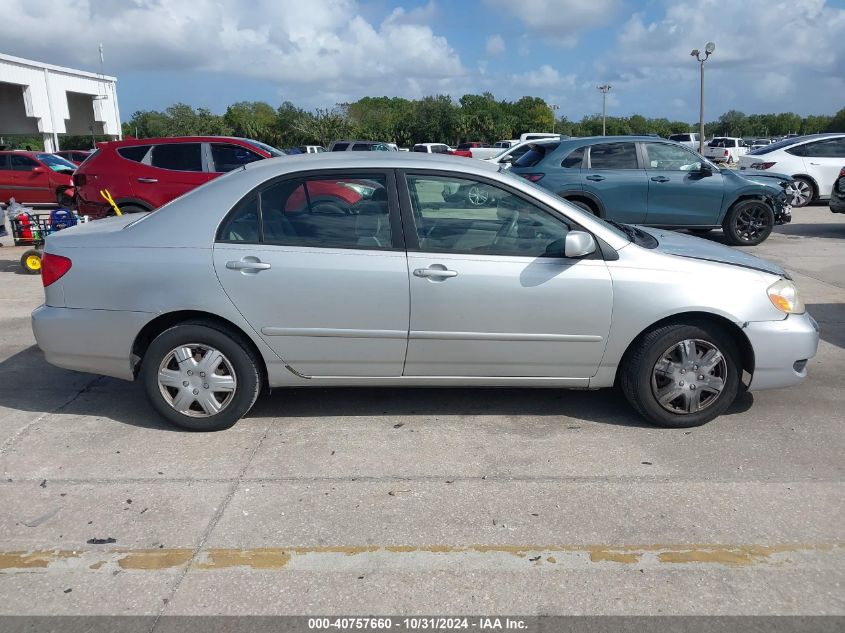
{"x":429,"y":556}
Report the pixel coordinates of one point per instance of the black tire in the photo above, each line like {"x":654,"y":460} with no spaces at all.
{"x":806,"y":185}
{"x":126,"y":209}
{"x":583,"y":205}
{"x":28,"y":261}
{"x":638,"y":367}
{"x":243,"y":361}
{"x":748,"y":223}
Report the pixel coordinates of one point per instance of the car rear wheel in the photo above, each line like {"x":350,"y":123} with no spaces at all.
{"x":800,"y":192}
{"x":583,"y":205}
{"x":201,"y":377}
{"x":748,"y":223}
{"x":681,"y":375}
{"x":132,"y":208}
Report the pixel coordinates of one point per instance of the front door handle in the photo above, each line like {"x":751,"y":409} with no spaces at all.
{"x":660,"y":179}
{"x":595,"y":178}
{"x":435,"y":272}
{"x":247,"y":265}
{"x":148,"y":180}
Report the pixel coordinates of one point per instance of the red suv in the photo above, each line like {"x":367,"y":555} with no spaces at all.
{"x":143,"y":174}
{"x":35,"y":178}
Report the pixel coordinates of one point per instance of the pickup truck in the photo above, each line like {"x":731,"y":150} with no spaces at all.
{"x":725,"y":149}
{"x":476,"y":149}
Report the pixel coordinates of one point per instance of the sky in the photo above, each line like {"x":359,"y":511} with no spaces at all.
{"x":771,"y":55}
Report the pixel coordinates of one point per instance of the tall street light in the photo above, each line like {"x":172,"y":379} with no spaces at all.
{"x":604,"y":90}
{"x":708,"y":51}
{"x":554,"y":108}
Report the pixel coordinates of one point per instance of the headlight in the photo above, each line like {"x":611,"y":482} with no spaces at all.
{"x":784,"y":296}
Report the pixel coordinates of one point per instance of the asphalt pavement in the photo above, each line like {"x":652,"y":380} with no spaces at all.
{"x":427,"y":501}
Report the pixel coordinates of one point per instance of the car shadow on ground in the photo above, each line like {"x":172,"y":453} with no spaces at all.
{"x":831,"y":319}
{"x":126,"y":402}
{"x":831,"y":231}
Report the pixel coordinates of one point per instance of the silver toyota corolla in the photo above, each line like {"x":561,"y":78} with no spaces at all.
{"x":394,"y":269}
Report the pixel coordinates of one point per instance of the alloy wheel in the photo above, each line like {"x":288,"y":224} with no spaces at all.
{"x":800,"y":193}
{"x":197,"y":380}
{"x":751,"y":222}
{"x":689,"y":376}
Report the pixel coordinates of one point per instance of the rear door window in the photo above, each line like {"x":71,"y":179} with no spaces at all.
{"x":4,"y":161}
{"x":613,"y":156}
{"x":136,"y":153}
{"x":340,"y":147}
{"x":22,"y":163}
{"x":575,"y":159}
{"x":178,"y":156}
{"x":228,"y":156}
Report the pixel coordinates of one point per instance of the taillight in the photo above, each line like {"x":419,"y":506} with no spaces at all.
{"x":762,"y":165}
{"x":53,"y":268}
{"x":727,"y":153}
{"x":532,"y":177}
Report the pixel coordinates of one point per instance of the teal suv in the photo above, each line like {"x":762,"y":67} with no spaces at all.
{"x":650,"y":181}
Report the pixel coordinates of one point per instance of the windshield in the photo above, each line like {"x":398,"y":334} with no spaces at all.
{"x":56,"y":163}
{"x":267,"y":148}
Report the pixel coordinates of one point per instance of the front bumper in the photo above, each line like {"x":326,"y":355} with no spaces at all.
{"x":93,"y":341}
{"x":779,"y":347}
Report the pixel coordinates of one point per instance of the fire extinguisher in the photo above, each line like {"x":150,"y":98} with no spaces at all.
{"x":28,"y":228}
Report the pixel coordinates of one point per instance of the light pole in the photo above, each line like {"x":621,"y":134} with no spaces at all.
{"x":554,"y":108}
{"x":604,"y":90}
{"x":708,"y":51}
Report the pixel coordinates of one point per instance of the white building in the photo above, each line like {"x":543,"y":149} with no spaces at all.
{"x":37,"y":98}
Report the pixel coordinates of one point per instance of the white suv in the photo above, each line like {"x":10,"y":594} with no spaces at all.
{"x":725,"y":149}
{"x":813,"y":162}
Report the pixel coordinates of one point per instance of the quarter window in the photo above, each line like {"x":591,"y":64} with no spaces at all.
{"x":665,"y":157}
{"x":136,"y":153}
{"x":456,"y":215}
{"x":575,"y":159}
{"x":326,"y":212}
{"x":227,"y":156}
{"x":613,"y":156}
{"x":178,"y":156}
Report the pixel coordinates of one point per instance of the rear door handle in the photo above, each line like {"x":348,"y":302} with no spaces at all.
{"x":595,"y":178}
{"x":147,"y":179}
{"x":435,"y":272}
{"x":660,"y":179}
{"x":248,"y":265}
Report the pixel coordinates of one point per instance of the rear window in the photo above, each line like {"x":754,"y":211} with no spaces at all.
{"x":535,"y":154}
{"x":178,"y":156}
{"x":136,"y":153}
{"x":680,"y":137}
{"x":613,"y":156}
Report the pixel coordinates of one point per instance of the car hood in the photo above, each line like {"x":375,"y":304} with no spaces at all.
{"x":765,"y":178}
{"x":698,"y":248}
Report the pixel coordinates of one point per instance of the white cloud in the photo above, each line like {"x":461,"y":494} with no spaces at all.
{"x":544,"y":77}
{"x":560,"y":21}
{"x":495,"y":45}
{"x":323,"y":47}
{"x":764,"y":61}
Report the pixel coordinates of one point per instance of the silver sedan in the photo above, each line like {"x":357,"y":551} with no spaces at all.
{"x":385,"y":269}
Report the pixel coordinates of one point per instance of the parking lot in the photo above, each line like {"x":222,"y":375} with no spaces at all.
{"x":397,"y":501}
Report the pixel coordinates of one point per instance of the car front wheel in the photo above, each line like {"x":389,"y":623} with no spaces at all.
{"x":748,"y":223}
{"x":681,"y":376}
{"x":201,"y":377}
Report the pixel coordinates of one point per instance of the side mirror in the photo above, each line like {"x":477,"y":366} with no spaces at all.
{"x":507,"y":159}
{"x":705,"y":170}
{"x":37,"y":170}
{"x":579,"y":244}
